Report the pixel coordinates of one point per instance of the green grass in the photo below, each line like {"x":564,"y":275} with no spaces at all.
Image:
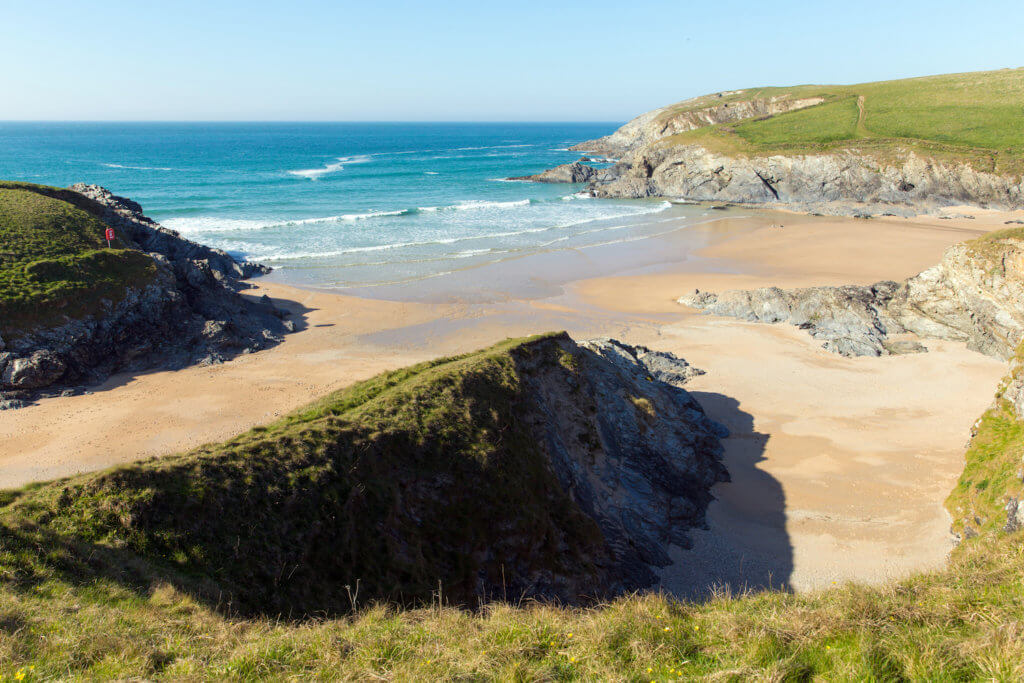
{"x":130,"y":573}
{"x":972,"y":117}
{"x":415,"y":475}
{"x":54,"y":262}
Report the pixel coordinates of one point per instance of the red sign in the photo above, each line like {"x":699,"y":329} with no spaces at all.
{"x":110,"y":236}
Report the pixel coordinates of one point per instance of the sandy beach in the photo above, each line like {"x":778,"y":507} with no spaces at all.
{"x":839,"y":465}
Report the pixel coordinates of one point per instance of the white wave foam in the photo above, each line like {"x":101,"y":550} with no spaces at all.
{"x":371,"y":214}
{"x":430,"y":173}
{"x":140,"y":168}
{"x":316,"y":173}
{"x":467,"y":149}
{"x":474,"y":204}
{"x":576,"y":195}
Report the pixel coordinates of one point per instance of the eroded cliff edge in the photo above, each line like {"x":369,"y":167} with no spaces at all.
{"x":73,"y":310}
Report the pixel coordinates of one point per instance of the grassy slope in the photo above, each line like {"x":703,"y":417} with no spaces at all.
{"x":77,"y":607}
{"x":54,"y":261}
{"x":399,"y":480}
{"x":976,"y":117}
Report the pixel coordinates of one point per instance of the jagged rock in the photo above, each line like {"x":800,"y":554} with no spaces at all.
{"x":839,"y":183}
{"x":646,"y":477}
{"x":1014,"y":515}
{"x":852,"y":320}
{"x":575,"y":172}
{"x":40,"y":369}
{"x":163,"y":324}
{"x":974,"y":295}
{"x":126,"y":216}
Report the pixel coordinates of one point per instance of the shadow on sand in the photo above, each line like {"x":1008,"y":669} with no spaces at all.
{"x":297,"y":313}
{"x":746,"y":546}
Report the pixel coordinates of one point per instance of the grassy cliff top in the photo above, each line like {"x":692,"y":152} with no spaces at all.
{"x":92,"y":589}
{"x":977,"y":117}
{"x":54,"y":261}
{"x":416,"y":475}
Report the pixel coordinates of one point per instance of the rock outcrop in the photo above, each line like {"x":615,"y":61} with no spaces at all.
{"x":974,"y":295}
{"x":576,"y":172}
{"x":898,"y":177}
{"x":191,"y":312}
{"x":537,"y":468}
{"x":840,"y":183}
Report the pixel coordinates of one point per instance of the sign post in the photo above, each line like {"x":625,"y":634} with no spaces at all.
{"x":109,"y":236}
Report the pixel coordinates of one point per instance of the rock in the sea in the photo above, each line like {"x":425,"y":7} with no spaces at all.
{"x":576,"y":172}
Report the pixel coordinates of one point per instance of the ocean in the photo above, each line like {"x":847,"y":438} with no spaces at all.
{"x":346,"y":206}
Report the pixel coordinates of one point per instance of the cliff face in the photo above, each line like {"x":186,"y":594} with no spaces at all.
{"x":895,"y":146}
{"x":187,"y":308}
{"x":538,"y":468}
{"x":974,"y":295}
{"x":842,"y":183}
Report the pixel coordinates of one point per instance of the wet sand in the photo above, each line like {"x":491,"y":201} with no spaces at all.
{"x":839,"y":465}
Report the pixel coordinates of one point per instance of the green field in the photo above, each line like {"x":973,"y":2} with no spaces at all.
{"x":976,"y":117}
{"x":54,"y":261}
{"x":179,"y":568}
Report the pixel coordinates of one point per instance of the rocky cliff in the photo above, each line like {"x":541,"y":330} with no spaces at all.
{"x":975,"y":295}
{"x":899,"y":147}
{"x":183,"y":306}
{"x":841,"y":183}
{"x":537,"y":468}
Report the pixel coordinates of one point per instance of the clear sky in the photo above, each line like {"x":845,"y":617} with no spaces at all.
{"x":541,"y":60}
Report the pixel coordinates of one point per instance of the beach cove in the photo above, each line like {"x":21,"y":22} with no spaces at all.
{"x":839,"y":465}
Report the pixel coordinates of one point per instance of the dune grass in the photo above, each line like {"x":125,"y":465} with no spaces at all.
{"x":54,"y":262}
{"x":973,"y":117}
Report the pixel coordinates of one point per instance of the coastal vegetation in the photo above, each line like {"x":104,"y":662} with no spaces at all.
{"x":973,"y":117}
{"x":91,"y":590}
{"x":54,"y":260}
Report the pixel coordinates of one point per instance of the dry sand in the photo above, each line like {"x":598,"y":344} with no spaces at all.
{"x":839,"y":465}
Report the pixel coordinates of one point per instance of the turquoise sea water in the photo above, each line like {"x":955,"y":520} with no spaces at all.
{"x":340,"y":205}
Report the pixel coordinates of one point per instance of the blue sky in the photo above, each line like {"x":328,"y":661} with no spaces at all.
{"x":465,"y":61}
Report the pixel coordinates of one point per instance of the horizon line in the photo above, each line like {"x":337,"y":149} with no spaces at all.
{"x":360,"y":121}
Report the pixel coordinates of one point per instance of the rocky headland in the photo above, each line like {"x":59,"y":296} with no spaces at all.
{"x":841,"y":150}
{"x":183,"y":305}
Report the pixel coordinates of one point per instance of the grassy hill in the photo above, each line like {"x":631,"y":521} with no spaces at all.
{"x":978,"y":117}
{"x":141,"y":572}
{"x":54,"y":261}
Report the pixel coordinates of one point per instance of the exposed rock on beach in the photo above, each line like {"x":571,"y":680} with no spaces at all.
{"x":974,"y":295}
